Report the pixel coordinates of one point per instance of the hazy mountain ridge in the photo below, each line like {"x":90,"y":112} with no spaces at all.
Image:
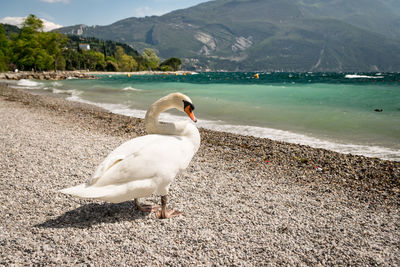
{"x":271,"y":35}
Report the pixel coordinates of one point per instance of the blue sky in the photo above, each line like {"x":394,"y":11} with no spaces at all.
{"x":90,"y":12}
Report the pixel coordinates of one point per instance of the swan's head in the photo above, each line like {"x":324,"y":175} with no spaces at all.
{"x":182,"y":103}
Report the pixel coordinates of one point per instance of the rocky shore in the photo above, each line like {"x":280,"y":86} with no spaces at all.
{"x":246,"y":201}
{"x":63,"y":75}
{"x":45,"y":75}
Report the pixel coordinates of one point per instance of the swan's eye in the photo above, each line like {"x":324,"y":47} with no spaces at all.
{"x":188,"y":108}
{"x":187,"y":105}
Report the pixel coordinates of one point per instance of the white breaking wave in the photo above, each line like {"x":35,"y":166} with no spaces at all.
{"x":274,"y":134}
{"x":125,"y":110}
{"x":115,"y":108}
{"x":29,"y":84}
{"x":71,"y":92}
{"x":130,"y":89}
{"x":56,"y":84}
{"x":355,"y":76}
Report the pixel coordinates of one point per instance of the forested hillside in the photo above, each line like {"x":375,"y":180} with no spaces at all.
{"x":29,"y":48}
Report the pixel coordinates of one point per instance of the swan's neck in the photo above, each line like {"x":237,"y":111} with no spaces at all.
{"x":153,"y":126}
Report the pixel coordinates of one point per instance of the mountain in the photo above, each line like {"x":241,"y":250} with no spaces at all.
{"x":379,"y":16}
{"x":269,"y":35}
{"x":10,"y":30}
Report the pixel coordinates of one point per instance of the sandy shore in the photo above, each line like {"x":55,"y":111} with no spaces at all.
{"x":246,"y":201}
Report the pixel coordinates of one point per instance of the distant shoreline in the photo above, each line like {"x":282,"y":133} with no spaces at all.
{"x":80,"y":74}
{"x":179,"y":72}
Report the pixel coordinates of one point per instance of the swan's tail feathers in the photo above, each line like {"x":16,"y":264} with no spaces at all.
{"x":113,"y":193}
{"x":86,"y":191}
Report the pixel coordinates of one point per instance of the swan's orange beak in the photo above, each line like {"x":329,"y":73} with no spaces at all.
{"x":190,"y":113}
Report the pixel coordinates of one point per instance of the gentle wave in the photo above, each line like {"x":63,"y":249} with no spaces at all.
{"x":274,"y":134}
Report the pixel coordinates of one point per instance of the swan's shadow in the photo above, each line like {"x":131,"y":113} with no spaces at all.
{"x":95,"y":213}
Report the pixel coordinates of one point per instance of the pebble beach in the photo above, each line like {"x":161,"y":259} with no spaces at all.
{"x":246,"y":201}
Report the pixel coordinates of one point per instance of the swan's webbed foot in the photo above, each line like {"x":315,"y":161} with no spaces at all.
{"x":164,"y":213}
{"x":146,"y":207}
{"x":167,"y":214}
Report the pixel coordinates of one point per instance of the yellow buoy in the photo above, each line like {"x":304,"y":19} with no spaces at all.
{"x":257,"y":76}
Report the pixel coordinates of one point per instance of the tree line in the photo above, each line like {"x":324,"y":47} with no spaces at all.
{"x":32,"y":49}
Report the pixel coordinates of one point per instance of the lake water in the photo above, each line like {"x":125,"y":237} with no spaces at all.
{"x":335,"y":111}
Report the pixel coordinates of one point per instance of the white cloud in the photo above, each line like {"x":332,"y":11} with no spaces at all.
{"x":17,"y":21}
{"x":48,"y":25}
{"x":142,"y":11}
{"x":147,"y":11}
{"x":55,"y":1}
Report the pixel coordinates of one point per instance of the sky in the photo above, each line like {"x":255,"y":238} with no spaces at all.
{"x":59,"y":13}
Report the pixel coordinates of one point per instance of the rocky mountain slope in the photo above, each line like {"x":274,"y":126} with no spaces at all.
{"x":268,"y":35}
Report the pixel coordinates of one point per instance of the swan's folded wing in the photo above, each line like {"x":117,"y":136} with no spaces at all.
{"x":131,"y":168}
{"x":109,"y":162}
{"x":161,"y":158}
{"x":119,"y":154}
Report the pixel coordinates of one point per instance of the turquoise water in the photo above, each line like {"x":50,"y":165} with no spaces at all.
{"x":332,"y":111}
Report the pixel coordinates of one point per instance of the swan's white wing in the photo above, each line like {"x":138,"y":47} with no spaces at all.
{"x":120,"y":153}
{"x":149,"y":157}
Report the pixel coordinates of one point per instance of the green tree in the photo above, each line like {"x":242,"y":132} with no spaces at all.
{"x":54,"y":43}
{"x":108,"y":58}
{"x":73,"y":59}
{"x":111,"y":66}
{"x":119,"y":53}
{"x":4,"y":50}
{"x":35,"y":49}
{"x":94,"y":60}
{"x":125,"y":62}
{"x":150,"y":59}
{"x":128,"y":63}
{"x":171,"y":64}
{"x":32,"y":24}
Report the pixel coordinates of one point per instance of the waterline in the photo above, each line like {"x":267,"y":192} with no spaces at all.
{"x":261,"y":132}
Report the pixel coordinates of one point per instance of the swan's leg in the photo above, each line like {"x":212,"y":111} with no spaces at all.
{"x":145,"y":207}
{"x":164,"y":213}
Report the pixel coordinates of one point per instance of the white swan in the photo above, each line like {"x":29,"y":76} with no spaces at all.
{"x":147,"y":164}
